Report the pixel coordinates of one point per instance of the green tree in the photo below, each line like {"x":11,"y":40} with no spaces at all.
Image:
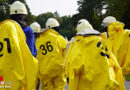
{"x":57,"y":17}
{"x":90,"y":10}
{"x":66,"y":28}
{"x":4,"y":9}
{"x":119,"y":9}
{"x":42,"y":18}
{"x":34,"y":18}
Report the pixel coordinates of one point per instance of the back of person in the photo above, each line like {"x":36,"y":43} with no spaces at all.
{"x":15,"y":65}
{"x":50,"y":53}
{"x":51,"y":50}
{"x":89,"y":63}
{"x":120,"y":40}
{"x":18,"y":13}
{"x":86,"y":69}
{"x":11,"y":64}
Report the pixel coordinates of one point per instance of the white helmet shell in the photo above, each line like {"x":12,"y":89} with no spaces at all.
{"x":108,"y":20}
{"x":83,"y":24}
{"x":51,"y":22}
{"x":36,"y":27}
{"x":18,"y":8}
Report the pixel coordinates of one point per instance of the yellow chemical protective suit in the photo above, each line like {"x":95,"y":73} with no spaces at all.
{"x":105,"y":34}
{"x":91,"y":66}
{"x":51,"y":51}
{"x":128,"y":75}
{"x":114,"y":64}
{"x":18,"y":68}
{"x":120,"y":45}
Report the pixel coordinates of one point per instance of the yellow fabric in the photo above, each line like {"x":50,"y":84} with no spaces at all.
{"x":17,"y":62}
{"x":104,"y":34}
{"x":90,"y":66}
{"x":51,"y":50}
{"x":114,"y":63}
{"x":120,"y":45}
{"x":58,"y":83}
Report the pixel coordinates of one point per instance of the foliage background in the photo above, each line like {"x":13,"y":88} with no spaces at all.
{"x":92,"y":10}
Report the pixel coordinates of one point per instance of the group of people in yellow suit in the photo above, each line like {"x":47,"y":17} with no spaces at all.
{"x":89,"y":61}
{"x":90,"y":64}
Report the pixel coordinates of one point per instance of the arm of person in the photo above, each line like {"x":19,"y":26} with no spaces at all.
{"x":31,"y":43}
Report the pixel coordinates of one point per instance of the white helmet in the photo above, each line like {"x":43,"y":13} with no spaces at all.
{"x":51,"y":22}
{"x":83,"y":24}
{"x":108,"y":20}
{"x":18,"y":8}
{"x":36,"y":27}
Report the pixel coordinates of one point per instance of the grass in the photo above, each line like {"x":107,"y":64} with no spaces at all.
{"x":127,"y":77}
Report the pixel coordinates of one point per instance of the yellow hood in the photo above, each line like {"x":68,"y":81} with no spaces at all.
{"x":114,"y":29}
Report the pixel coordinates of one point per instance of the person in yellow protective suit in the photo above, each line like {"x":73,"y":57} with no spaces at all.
{"x":51,"y":50}
{"x":18,"y":68}
{"x":120,"y":45}
{"x":18,"y":13}
{"x":36,"y":29}
{"x":105,"y":23}
{"x":89,"y":64}
{"x":127,"y":77}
